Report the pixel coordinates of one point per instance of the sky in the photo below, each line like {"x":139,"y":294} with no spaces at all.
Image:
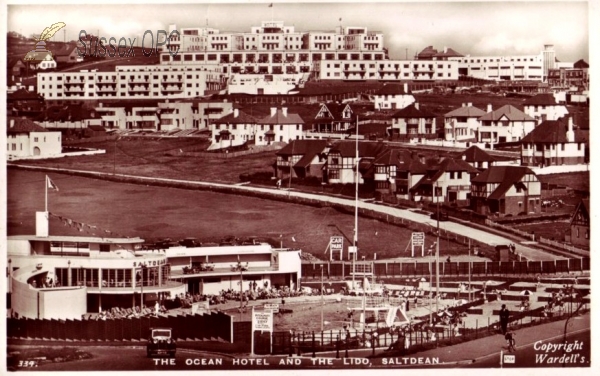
{"x":471,"y":28}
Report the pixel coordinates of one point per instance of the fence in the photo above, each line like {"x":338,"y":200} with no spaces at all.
{"x":404,"y":340}
{"x":194,"y":327}
{"x":341,"y":269}
{"x":524,"y":234}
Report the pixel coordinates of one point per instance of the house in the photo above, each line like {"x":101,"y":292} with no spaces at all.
{"x":554,"y":142}
{"x":463,"y":123}
{"x":451,"y":179}
{"x":413,"y":122}
{"x":175,"y":115}
{"x":579,"y":232}
{"x":341,"y":161}
{"x":24,"y":103}
{"x":396,"y":171}
{"x":506,"y":124}
{"x":40,"y":58}
{"x":233,"y":129}
{"x":307,"y":158}
{"x":26,"y":138}
{"x":333,"y":118}
{"x":478,"y":158}
{"x":66,"y":116}
{"x":16,"y":69}
{"x":68,"y":54}
{"x":208,"y":111}
{"x":543,"y":107}
{"x":393,"y":97}
{"x":506,"y":190}
{"x":429,"y":53}
{"x":278,"y":126}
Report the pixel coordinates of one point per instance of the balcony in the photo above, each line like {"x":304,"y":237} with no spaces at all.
{"x":138,"y":80}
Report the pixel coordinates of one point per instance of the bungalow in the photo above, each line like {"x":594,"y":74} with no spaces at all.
{"x":451,"y":179}
{"x":278,"y":126}
{"x":333,"y":118}
{"x":506,"y":124}
{"x":478,"y":158}
{"x":393,"y":97}
{"x":341,"y":160}
{"x":413,"y":122}
{"x":68,"y":54}
{"x":307,"y":158}
{"x":554,"y":143}
{"x":70,"y":116}
{"x":543,"y":107}
{"x":25,"y":139}
{"x":463,"y":123}
{"x":506,"y":190}
{"x":580,"y":224}
{"x":396,"y":171}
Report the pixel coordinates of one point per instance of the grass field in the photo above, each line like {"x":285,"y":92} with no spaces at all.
{"x":157,"y":212}
{"x":554,"y":230}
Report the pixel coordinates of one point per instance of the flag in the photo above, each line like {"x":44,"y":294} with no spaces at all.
{"x":50,"y":184}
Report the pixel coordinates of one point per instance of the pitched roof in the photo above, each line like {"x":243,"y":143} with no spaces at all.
{"x":506,"y":176}
{"x":365,"y":149}
{"x":552,"y":131}
{"x":510,"y":112}
{"x":66,"y":50}
{"x":412,"y":112}
{"x":392,"y":89}
{"x":404,"y":160}
{"x":427,"y":53}
{"x":540,"y":100}
{"x":279,"y":118}
{"x":21,"y":125}
{"x":453,"y":164}
{"x":580,"y":64}
{"x":303,"y":147}
{"x":23,"y":94}
{"x":63,"y":113}
{"x":475,"y":154}
{"x":449,"y":52}
{"x":583,"y":207}
{"x":466,"y":111}
{"x":242,"y":118}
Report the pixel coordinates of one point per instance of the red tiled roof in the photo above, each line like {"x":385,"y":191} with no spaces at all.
{"x":365,"y":149}
{"x":302,"y":147}
{"x":392,"y":89}
{"x":412,"y":112}
{"x":448,"y":53}
{"x":553,"y":131}
{"x":506,"y":176}
{"x":279,"y":118}
{"x":467,"y":111}
{"x":510,"y":112}
{"x":242,"y":118}
{"x":475,"y":154}
{"x":20,"y":125}
{"x":404,"y":160}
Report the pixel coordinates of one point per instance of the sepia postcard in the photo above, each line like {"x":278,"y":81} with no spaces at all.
{"x":298,"y":186}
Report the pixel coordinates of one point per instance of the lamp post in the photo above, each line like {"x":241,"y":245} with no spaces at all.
{"x":437,"y":252}
{"x":9,"y":276}
{"x":69,"y":273}
{"x":322,"y":302}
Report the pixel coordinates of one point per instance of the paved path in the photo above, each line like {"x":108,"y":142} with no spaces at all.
{"x":457,"y":228}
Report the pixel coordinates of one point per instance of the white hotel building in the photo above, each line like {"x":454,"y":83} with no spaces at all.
{"x":131,"y":82}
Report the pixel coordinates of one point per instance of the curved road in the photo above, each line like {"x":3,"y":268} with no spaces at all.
{"x":457,"y":228}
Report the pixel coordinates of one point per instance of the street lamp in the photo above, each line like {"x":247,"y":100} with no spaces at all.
{"x":143,"y":268}
{"x":322,"y":302}
{"x":69,"y":273}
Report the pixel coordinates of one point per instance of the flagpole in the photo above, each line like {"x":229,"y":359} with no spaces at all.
{"x":46,"y":196}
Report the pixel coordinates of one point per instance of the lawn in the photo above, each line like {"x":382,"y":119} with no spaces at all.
{"x":554,"y":230}
{"x":156,"y":212}
{"x":575,"y":180}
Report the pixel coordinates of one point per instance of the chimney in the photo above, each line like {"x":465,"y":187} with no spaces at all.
{"x":417,"y":105}
{"x":236,"y":112}
{"x":445,"y":49}
{"x":273,"y":111}
{"x":100,"y":104}
{"x":570,"y":132}
{"x":12,"y":123}
{"x":405,"y":88}
{"x":464,"y":105}
{"x":284,"y":111}
{"x":470,"y":104}
{"x":489,"y":108}
{"x":464,"y":157}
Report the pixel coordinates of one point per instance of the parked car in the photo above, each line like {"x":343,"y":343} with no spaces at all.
{"x":161,"y":342}
{"x":443,"y":216}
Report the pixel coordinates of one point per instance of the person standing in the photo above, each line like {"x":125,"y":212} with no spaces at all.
{"x":504,"y":315}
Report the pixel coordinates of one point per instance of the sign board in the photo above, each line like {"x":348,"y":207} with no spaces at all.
{"x":336,"y":244}
{"x":272,"y":307}
{"x":509,"y":359}
{"x":262,"y":320}
{"x":352,"y":249}
{"x":417,"y":240}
